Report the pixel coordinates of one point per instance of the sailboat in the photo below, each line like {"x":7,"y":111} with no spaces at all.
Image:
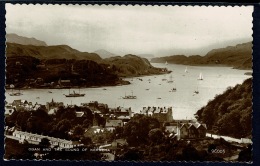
{"x":196,"y":91}
{"x":14,"y":93}
{"x":200,"y":77}
{"x":174,"y":89}
{"x":170,"y":80}
{"x":164,"y":79}
{"x":166,"y":63}
{"x":129,"y":96}
{"x":186,"y":70}
{"x":74,"y":94}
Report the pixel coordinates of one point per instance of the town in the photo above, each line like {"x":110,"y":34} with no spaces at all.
{"x":96,"y":127}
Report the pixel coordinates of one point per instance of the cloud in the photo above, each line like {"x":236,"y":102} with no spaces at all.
{"x":131,"y":29}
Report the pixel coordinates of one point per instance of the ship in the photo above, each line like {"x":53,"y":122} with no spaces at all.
{"x":174,"y":89}
{"x":129,"y":96}
{"x":14,"y":93}
{"x":74,"y":94}
{"x":196,"y":91}
{"x":164,"y":79}
{"x":170,"y":79}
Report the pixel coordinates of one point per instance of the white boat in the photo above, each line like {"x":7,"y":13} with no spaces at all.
{"x":14,"y":93}
{"x":129,"y":96}
{"x":166,"y":63}
{"x":170,"y":79}
{"x":186,"y":70}
{"x":200,"y":77}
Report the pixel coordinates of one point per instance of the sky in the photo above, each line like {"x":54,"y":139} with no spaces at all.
{"x":156,"y":30}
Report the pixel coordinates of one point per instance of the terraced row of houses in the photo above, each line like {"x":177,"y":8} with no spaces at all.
{"x":36,"y":139}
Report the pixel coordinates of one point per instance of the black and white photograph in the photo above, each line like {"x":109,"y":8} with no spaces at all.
{"x":128,"y":83}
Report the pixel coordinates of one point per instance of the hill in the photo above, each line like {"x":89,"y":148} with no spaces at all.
{"x":104,"y":54}
{"x":147,"y":56}
{"x":230,"y":113}
{"x":27,"y":71}
{"x":239,"y":56}
{"x":14,"y":38}
{"x":49,"y":52}
{"x":132,"y":65}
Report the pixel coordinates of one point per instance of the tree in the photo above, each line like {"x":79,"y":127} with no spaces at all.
{"x":190,"y":153}
{"x":87,"y":123}
{"x":45,"y":142}
{"x":137,"y":129}
{"x":61,"y":129}
{"x":78,"y":131}
{"x":156,"y":136}
{"x":86,"y":140}
{"x":21,"y":120}
{"x":118,"y":132}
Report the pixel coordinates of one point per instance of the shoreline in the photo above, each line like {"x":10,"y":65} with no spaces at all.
{"x":208,"y":65}
{"x":120,"y":83}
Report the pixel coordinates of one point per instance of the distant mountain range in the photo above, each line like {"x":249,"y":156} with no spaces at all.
{"x":14,"y":38}
{"x":49,"y":52}
{"x":52,"y":63}
{"x":104,"y":53}
{"x":239,"y":56}
{"x":147,"y":56}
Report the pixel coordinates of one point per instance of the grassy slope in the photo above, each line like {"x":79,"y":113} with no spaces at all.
{"x":230,"y":113}
{"x":239,"y":56}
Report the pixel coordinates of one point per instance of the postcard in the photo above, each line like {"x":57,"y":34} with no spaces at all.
{"x":128,"y":83}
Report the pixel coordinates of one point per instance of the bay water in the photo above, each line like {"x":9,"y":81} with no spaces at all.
{"x":152,"y":90}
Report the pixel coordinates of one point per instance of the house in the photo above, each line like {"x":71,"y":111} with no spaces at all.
{"x":36,"y":106}
{"x":183,"y":131}
{"x":52,"y":111}
{"x":162,"y":114}
{"x":79,"y":114}
{"x":111,"y":124}
{"x":96,"y":107}
{"x":64,"y":83}
{"x":124,"y":118}
{"x":114,"y":123}
{"x":121,"y":111}
{"x":171,"y":129}
{"x":202,"y":129}
{"x":192,"y":130}
{"x":39,"y":80}
{"x":93,"y":130}
{"x":9,"y":110}
{"x":21,"y":104}
{"x":17,"y":103}
{"x":36,"y":139}
{"x":53,"y":105}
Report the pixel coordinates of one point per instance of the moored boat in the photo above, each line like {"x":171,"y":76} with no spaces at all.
{"x":74,"y":94}
{"x":200,"y":77}
{"x":129,"y":96}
